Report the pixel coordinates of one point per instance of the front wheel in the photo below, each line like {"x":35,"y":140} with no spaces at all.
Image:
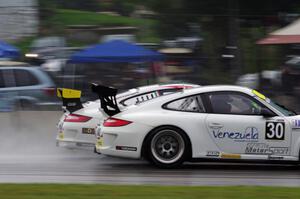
{"x":167,"y":147}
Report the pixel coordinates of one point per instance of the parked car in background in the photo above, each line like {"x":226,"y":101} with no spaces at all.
{"x":25,"y":87}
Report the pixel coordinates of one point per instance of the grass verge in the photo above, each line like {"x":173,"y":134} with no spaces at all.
{"x":64,"y":17}
{"x":77,"y":17}
{"x":59,"y":191}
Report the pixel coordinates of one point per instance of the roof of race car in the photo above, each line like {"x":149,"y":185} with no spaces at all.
{"x":205,"y":89}
{"x":144,"y":89}
{"x":212,"y":88}
{"x":154,"y":87}
{"x":188,"y":92}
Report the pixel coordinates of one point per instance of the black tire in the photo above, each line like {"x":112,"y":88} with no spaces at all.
{"x":167,"y":147}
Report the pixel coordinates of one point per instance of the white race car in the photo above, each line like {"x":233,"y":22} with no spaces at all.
{"x":209,"y":122}
{"x":77,"y":125}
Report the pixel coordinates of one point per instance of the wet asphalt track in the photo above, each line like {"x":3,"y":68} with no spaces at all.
{"x":28,"y":155}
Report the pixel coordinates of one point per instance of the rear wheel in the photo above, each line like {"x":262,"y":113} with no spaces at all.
{"x":167,"y":147}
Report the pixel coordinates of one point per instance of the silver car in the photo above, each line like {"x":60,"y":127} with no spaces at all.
{"x":25,"y":87}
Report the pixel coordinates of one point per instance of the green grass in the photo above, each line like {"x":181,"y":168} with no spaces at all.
{"x":55,"y":191}
{"x":63,"y":18}
{"x":76,"y":17}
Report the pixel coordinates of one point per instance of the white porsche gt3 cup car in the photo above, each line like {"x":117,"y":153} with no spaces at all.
{"x":209,"y":122}
{"x":76,"y":127}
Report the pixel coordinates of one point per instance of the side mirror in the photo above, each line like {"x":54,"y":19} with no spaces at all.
{"x":267,"y":113}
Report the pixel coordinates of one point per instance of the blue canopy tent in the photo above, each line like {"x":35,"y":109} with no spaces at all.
{"x":112,"y":55}
{"x":116,"y":51}
{"x":8,"y":51}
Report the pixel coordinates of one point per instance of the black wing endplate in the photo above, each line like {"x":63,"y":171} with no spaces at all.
{"x":107,"y":96}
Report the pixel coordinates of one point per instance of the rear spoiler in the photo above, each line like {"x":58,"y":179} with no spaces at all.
{"x":107,"y":96}
{"x":70,"y":98}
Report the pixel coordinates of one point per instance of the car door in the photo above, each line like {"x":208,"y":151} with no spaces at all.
{"x":7,"y":90}
{"x":236,"y":125}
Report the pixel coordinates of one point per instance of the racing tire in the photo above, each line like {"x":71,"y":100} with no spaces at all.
{"x":167,"y":147}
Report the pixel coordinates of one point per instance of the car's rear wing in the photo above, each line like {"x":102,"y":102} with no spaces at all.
{"x":70,"y":98}
{"x":107,"y":96}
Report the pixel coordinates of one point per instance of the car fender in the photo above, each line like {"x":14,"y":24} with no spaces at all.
{"x":144,"y":144}
{"x":195,"y":130}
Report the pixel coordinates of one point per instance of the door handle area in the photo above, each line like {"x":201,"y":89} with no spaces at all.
{"x":215,"y":125}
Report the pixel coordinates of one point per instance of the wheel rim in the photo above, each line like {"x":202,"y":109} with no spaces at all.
{"x":167,"y":146}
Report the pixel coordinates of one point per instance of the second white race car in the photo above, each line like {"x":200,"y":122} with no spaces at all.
{"x":206,"y":123}
{"x":76,"y":126}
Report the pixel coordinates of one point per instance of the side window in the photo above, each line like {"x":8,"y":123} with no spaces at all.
{"x":188,"y":104}
{"x":2,"y":85}
{"x":8,"y":77}
{"x":234,"y":103}
{"x":24,"y":78}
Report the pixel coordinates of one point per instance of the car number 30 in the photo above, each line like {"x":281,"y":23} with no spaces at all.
{"x":275,"y":130}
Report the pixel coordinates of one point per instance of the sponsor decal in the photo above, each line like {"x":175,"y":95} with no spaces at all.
{"x":126,"y":148}
{"x":257,"y":148}
{"x":275,"y":158}
{"x":68,"y":93}
{"x":258,"y":94}
{"x":213,"y":153}
{"x":275,"y":130}
{"x":296,"y":123}
{"x":230,"y":156}
{"x":99,"y":142}
{"x":88,"y":131}
{"x":279,"y":150}
{"x":249,"y":135}
{"x":71,"y":103}
{"x":265,"y":149}
{"x":61,"y":135}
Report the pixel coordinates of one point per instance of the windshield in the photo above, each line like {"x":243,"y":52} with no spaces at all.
{"x":282,"y":109}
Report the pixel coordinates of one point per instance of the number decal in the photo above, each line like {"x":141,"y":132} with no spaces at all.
{"x":275,"y":131}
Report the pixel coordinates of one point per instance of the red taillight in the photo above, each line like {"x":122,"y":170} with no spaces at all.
{"x":77,"y":118}
{"x":114,"y":122}
{"x":49,"y":91}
